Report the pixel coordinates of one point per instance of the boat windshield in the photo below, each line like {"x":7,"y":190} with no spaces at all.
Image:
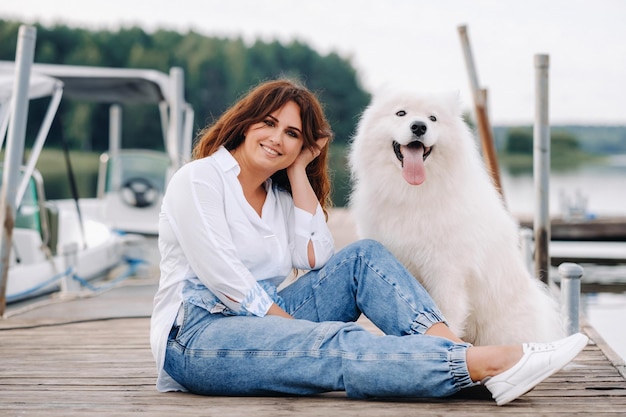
{"x":136,"y":165}
{"x":28,"y":213}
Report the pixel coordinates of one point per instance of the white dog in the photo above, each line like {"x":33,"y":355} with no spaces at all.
{"x":421,"y":189}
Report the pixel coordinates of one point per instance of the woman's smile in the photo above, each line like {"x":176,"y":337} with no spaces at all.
{"x":270,"y":151}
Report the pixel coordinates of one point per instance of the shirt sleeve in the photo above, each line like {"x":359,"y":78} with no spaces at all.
{"x":194,"y":204}
{"x":311,"y":227}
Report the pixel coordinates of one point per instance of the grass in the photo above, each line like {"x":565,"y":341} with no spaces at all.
{"x":53,"y":169}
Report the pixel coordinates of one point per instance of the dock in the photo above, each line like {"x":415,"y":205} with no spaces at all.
{"x":88,"y":354}
{"x":606,"y":229}
{"x":599,"y":241}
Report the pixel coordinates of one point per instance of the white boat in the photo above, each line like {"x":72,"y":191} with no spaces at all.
{"x":50,"y":247}
{"x":131,"y":182}
{"x":64,"y":243}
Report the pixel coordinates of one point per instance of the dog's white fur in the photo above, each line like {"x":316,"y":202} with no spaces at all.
{"x":452,"y":232}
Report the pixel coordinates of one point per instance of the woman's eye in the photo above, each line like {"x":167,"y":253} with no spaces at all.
{"x":401,"y":113}
{"x":292,"y":134}
{"x":269,"y":122}
{"x":433,"y":118}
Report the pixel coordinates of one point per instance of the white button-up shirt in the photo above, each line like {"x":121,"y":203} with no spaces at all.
{"x":209,"y":234}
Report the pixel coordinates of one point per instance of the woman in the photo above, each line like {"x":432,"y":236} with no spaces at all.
{"x":249,"y":209}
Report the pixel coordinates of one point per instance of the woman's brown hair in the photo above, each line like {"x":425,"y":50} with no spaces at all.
{"x":262,"y":100}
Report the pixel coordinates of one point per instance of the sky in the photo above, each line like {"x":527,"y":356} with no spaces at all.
{"x":411,"y":43}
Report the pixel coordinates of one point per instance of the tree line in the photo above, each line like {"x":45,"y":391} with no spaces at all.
{"x":217,"y":72}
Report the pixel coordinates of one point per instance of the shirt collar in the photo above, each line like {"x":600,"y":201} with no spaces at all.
{"x":225,"y":160}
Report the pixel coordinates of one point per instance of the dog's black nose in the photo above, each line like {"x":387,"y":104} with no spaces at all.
{"x":418,"y":128}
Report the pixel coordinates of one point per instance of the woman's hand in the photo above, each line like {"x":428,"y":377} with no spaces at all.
{"x":275,"y":310}
{"x":308,"y":155}
{"x":303,"y":195}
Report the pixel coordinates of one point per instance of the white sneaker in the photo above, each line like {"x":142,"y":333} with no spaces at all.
{"x":540,"y":361}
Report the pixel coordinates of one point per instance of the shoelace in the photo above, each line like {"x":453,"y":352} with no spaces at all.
{"x":540,"y":347}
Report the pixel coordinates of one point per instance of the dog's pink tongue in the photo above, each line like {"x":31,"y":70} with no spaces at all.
{"x":413,"y":164}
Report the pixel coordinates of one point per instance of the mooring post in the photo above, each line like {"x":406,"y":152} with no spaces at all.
{"x":571,"y":275}
{"x":14,"y":152}
{"x":541,"y":169}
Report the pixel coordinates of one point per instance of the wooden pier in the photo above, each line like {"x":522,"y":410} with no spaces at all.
{"x":90,"y":356}
{"x":607,"y":229}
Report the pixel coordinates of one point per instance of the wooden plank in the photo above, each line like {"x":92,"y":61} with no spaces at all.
{"x":319,"y":406}
{"x":611,"y":228}
{"x":46,"y":377}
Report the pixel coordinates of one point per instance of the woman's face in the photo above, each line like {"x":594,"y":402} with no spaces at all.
{"x":274,"y":143}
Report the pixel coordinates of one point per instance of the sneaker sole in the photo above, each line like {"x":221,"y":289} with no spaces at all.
{"x":523,"y":389}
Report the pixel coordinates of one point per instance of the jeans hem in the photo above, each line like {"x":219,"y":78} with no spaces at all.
{"x":458,"y":366}
{"x":425,"y":321}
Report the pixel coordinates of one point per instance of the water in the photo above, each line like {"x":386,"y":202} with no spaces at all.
{"x":601,"y":187}
{"x":597,"y":191}
{"x":606,"y":312}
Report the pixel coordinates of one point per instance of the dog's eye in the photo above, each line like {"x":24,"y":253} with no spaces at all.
{"x":433,"y":118}
{"x":401,"y":113}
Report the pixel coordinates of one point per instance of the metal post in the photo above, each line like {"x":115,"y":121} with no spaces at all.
{"x":114,"y":170}
{"x":37,"y":147}
{"x":15,"y":150}
{"x":165,"y":122}
{"x":115,"y":129}
{"x":176,"y":102}
{"x":541,"y":169}
{"x":4,"y":122}
{"x":571,"y":275}
{"x":187,"y":133}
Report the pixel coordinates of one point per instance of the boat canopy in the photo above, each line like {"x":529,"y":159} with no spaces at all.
{"x":119,"y":86}
{"x":107,"y":85}
{"x":40,"y":85}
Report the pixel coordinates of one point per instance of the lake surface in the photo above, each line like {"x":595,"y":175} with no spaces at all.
{"x":607,"y":312}
{"x":600,"y":190}
{"x":601,"y":187}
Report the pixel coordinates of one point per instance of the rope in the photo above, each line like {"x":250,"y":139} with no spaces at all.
{"x":133,"y":264}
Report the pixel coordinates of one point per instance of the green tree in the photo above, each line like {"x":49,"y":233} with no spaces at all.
{"x":217,"y":72}
{"x":519,"y":140}
{"x":563,"y":142}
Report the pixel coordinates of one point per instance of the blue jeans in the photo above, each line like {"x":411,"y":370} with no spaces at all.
{"x":324,"y":350}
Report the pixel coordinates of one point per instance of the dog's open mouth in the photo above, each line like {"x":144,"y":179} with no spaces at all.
{"x":416,"y":144}
{"x":412,"y":157}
